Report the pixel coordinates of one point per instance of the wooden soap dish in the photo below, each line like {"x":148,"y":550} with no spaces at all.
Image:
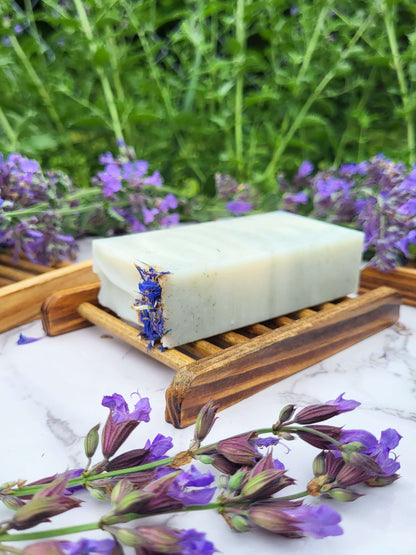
{"x":232,"y":366}
{"x":24,"y":286}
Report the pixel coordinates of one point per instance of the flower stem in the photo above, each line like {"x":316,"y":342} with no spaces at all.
{"x":25,"y":536}
{"x":8,"y":129}
{"x":239,"y":86}
{"x":282,"y":142}
{"x":105,"y":83}
{"x":39,"y":85}
{"x":388,"y":22}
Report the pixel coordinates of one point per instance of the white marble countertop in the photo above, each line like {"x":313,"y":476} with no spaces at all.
{"x":51,"y":394}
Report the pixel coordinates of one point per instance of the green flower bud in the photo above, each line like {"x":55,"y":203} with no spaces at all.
{"x":91,"y":442}
{"x":239,"y":523}
{"x":11,"y":502}
{"x":319,"y":464}
{"x":205,"y":459}
{"x":343,"y":495}
{"x":97,"y":493}
{"x":286,"y":413}
{"x":120,"y":490}
{"x":236,"y":480}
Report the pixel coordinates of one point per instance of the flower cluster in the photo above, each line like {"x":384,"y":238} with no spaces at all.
{"x":42,"y":213}
{"x":149,"y":304}
{"x":39,"y":234}
{"x":240,"y":198}
{"x":145,"y":482}
{"x":133,"y":194}
{"x":376,"y":196}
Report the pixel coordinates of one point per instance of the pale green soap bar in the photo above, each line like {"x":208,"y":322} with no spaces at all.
{"x":230,"y":273}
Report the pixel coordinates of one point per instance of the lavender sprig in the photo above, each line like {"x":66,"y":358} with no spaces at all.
{"x":376,"y":196}
{"x":247,"y":491}
{"x":42,"y":213}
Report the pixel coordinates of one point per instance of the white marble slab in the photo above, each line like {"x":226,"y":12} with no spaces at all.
{"x":51,"y":395}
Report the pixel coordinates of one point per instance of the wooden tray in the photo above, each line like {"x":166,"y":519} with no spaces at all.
{"x":24,"y":286}
{"x":402,"y":279}
{"x":232,"y":366}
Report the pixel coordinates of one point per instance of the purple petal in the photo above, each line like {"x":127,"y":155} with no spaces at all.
{"x":238,"y":207}
{"x":24,"y":340}
{"x":344,"y":405}
{"x":318,"y":522}
{"x":305,"y":169}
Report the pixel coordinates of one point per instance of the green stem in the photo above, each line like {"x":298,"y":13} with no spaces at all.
{"x":105,"y":83}
{"x":196,"y":65}
{"x":388,"y":21}
{"x":30,"y":490}
{"x":11,"y":135}
{"x":26,"y":536}
{"x":323,"y":14}
{"x":38,"y":83}
{"x":283,"y":142}
{"x":239,"y":87}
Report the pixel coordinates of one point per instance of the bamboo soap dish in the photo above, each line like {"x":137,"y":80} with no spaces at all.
{"x":234,"y":365}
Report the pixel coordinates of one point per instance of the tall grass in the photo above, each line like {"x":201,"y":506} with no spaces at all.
{"x":249,"y":87}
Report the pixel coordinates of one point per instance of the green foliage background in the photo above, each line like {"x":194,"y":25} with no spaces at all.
{"x":246,"y":87}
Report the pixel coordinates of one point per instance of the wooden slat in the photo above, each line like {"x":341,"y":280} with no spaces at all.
{"x":14,"y":273}
{"x":21,"y":302}
{"x":170,"y":357}
{"x":245,"y":369}
{"x":402,"y":279}
{"x":26,"y":265}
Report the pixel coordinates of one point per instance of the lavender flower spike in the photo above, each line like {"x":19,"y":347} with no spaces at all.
{"x":317,"y":413}
{"x":120,"y":422}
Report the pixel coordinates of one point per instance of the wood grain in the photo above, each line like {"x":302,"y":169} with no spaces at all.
{"x":234,"y":365}
{"x":245,"y":369}
{"x":402,"y":279}
{"x":21,"y":302}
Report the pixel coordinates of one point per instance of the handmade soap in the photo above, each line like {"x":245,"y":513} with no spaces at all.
{"x":194,"y":281}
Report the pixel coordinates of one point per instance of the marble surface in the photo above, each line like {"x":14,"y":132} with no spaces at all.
{"x":51,"y":395}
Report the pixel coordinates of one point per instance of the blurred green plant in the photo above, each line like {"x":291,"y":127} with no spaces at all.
{"x":247,"y":88}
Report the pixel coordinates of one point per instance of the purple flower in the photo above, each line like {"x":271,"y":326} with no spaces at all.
{"x":155,"y":540}
{"x":238,"y":207}
{"x":409,"y":239}
{"x":120,"y":410}
{"x":305,"y":169}
{"x":155,"y":179}
{"x":24,"y":340}
{"x":86,"y":546}
{"x":170,"y":201}
{"x":353,"y":169}
{"x":111,"y":178}
{"x":318,"y":522}
{"x":295,"y":520}
{"x":120,"y":422}
{"x":317,"y":413}
{"x":171,"y":220}
{"x":180,"y":487}
{"x":408,"y":208}
{"x":192,"y":542}
{"x":328,"y":185}
{"x":149,"y":214}
{"x":158,"y":448}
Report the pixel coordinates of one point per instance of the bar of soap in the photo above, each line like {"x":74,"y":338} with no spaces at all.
{"x":194,"y":281}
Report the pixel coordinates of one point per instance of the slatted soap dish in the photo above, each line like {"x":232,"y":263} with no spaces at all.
{"x":234,"y":365}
